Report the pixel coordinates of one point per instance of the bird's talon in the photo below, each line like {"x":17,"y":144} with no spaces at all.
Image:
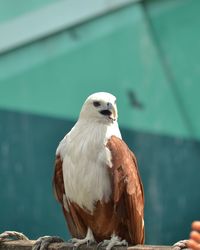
{"x":114,"y":241}
{"x":89,"y":242}
{"x":125,"y":243}
{"x":99,"y":245}
{"x":105,"y":243}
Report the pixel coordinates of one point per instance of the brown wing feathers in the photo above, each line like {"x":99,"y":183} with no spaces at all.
{"x":127,"y":188}
{"x":58,"y":183}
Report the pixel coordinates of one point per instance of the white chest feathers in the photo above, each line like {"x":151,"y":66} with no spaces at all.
{"x":85,"y":163}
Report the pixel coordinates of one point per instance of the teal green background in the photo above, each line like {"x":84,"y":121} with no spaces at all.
{"x":150,"y":48}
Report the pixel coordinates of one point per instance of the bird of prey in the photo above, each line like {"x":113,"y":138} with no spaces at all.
{"x":96,"y":179}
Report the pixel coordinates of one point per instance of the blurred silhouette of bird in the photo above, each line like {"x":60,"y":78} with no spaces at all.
{"x":135,"y":103}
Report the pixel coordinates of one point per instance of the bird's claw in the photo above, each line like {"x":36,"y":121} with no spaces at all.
{"x":114,"y":241}
{"x":78,"y":242}
{"x":99,"y":245}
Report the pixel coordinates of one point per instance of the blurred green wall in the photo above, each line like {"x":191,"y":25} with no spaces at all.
{"x":146,"y":51}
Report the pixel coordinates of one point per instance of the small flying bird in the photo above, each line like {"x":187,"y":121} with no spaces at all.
{"x":96,"y":179}
{"x":134,"y":101}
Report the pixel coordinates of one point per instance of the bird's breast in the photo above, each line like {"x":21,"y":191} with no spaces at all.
{"x":85,"y":173}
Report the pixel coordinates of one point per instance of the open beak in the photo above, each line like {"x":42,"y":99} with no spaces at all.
{"x":109,"y":112}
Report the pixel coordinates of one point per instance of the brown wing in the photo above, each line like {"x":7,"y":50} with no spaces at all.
{"x":74,"y":221}
{"x":128,"y":195}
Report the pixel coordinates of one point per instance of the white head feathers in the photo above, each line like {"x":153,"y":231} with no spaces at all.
{"x":101,"y":107}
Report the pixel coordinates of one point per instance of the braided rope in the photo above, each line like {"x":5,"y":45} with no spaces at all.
{"x":12,"y":235}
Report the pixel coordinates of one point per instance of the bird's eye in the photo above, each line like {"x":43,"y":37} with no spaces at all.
{"x":96,"y":103}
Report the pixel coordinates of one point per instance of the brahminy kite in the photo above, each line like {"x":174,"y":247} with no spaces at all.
{"x":96,"y":179}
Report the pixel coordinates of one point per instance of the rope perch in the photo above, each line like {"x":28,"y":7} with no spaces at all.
{"x":12,"y":235}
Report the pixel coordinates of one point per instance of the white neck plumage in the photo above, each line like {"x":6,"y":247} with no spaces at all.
{"x":94,"y":130}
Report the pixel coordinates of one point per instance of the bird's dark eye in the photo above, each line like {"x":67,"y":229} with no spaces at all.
{"x":96,"y":103}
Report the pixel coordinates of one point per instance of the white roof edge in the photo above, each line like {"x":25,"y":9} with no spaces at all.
{"x":64,"y":13}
